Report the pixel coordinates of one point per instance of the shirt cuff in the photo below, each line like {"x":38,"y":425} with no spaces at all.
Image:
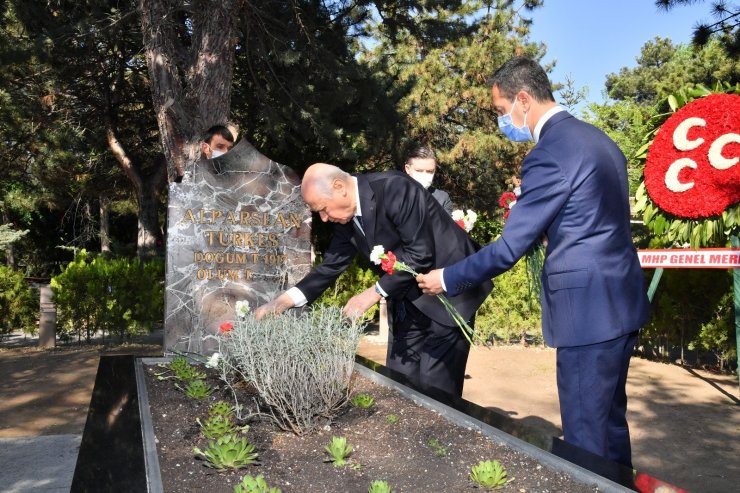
{"x":297,"y":296}
{"x":380,"y":290}
{"x":442,"y":279}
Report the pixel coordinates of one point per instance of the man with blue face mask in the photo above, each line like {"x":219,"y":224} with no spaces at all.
{"x":574,"y":189}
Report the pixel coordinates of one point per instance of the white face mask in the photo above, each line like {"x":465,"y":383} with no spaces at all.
{"x":216,"y":153}
{"x":424,"y":178}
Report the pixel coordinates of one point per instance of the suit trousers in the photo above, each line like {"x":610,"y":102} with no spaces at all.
{"x":593,"y":401}
{"x":430,"y":354}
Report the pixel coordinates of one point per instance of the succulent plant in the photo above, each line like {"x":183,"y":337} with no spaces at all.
{"x":178,"y":363}
{"x":379,"y":486}
{"x":198,"y":389}
{"x":181,"y":369}
{"x":392,"y":419}
{"x":228,"y":452}
{"x":189,"y":373}
{"x":221,"y":408}
{"x":439,"y":449}
{"x":338,"y":449}
{"x":217,"y":426}
{"x":254,"y":485}
{"x":489,"y":474}
{"x":363,"y":401}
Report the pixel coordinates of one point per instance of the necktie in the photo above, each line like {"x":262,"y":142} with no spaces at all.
{"x":358,"y":221}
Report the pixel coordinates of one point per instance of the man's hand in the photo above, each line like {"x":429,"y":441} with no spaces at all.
{"x":274,"y":307}
{"x":430,"y":283}
{"x":360,"y":303}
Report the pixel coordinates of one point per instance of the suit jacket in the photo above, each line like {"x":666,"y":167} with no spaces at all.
{"x":401,"y":215}
{"x":443,"y":198}
{"x":574,"y":189}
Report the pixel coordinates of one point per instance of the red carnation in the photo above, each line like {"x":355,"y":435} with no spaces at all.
{"x":388,"y":262}
{"x":506,"y":199}
{"x":225,"y":327}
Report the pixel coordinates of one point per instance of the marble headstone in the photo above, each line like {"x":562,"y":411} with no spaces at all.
{"x":237,"y":229}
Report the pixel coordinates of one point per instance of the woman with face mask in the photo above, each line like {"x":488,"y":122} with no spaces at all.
{"x":421,"y":164}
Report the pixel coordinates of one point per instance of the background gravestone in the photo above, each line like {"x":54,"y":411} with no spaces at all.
{"x":237,"y":229}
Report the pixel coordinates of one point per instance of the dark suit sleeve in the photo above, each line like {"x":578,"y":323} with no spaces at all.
{"x":446,"y":202}
{"x":337,"y":259}
{"x":406,"y":210}
{"x":544,"y":191}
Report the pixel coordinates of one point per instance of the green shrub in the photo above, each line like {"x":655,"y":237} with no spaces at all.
{"x":118,"y":296}
{"x":351,"y":282}
{"x":510,"y":314}
{"x":687,"y":300}
{"x":718,"y":334}
{"x":19,"y":305}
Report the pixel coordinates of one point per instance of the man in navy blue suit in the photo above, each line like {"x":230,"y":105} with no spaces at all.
{"x":575,"y":191}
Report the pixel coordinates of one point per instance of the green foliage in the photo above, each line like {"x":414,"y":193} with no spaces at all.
{"x":363,"y":401}
{"x":489,"y":474}
{"x":115,"y":296}
{"x":379,"y":486}
{"x":664,"y":69}
{"x":439,"y":449}
{"x":724,"y":27}
{"x":510,"y":313}
{"x":445,"y":100}
{"x":686,"y":301}
{"x":338,"y":451}
{"x":18,"y":303}
{"x":352,"y":281}
{"x":228,"y":452}
{"x":8,"y":235}
{"x":488,"y":227}
{"x":718,"y":334}
{"x":251,"y":484}
{"x":392,"y":419}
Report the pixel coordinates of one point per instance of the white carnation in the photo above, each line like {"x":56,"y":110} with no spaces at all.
{"x":242,"y":308}
{"x":375,"y":254}
{"x":213,"y":360}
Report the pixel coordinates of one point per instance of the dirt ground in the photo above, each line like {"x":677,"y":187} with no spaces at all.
{"x":421,"y":451}
{"x":685,"y":423}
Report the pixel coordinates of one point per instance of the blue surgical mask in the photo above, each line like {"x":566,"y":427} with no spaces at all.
{"x":517,"y":134}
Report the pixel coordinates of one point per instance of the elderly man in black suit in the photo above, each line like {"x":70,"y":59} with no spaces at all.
{"x":392,"y":210}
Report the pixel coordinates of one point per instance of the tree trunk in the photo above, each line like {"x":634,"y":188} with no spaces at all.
{"x":190,"y":76}
{"x":149,"y":238}
{"x":104,"y":225}
{"x":147,"y":195}
{"x":9,"y":254}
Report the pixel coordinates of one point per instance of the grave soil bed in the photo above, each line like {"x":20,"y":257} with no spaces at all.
{"x":400,"y":453}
